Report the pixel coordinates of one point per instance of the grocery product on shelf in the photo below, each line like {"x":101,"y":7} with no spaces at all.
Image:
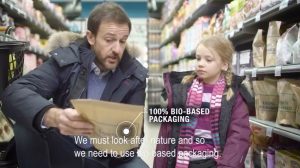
{"x":154,"y":82}
{"x":296,"y":51}
{"x":252,"y":7}
{"x":272,"y":39}
{"x":287,"y":106}
{"x":259,"y":49}
{"x":266,"y":99}
{"x":296,"y":92}
{"x":287,"y":158}
{"x":285,"y":44}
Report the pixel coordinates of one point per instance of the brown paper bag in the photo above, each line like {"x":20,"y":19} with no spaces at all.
{"x":258,"y":47}
{"x":287,"y":106}
{"x":266,"y":99}
{"x":296,"y":91}
{"x":272,"y":39}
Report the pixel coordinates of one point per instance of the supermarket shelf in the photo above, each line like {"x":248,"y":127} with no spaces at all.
{"x":239,"y":38}
{"x":246,"y":30}
{"x":274,"y":70}
{"x":6,"y":37}
{"x":55,"y":21}
{"x":176,"y":61}
{"x":23,"y":18}
{"x":10,"y":43}
{"x":154,"y":31}
{"x":272,"y":127}
{"x":173,"y":13}
{"x":38,"y":51}
{"x":208,"y":9}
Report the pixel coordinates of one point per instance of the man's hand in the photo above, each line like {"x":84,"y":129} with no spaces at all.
{"x":68,"y":121}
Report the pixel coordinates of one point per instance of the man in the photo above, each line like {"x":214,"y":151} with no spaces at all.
{"x":98,"y":67}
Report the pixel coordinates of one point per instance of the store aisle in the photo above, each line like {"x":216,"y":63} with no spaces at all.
{"x":148,"y":146}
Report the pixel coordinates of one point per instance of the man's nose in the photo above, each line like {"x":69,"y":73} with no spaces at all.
{"x":117,"y":48}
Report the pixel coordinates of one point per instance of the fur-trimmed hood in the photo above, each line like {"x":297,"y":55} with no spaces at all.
{"x":64,"y":38}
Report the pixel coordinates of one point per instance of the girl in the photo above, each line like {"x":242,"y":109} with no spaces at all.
{"x":218,"y":139}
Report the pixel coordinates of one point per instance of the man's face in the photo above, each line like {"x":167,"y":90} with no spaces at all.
{"x":109,"y":44}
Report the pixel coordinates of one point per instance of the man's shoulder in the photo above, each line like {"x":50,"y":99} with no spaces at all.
{"x":66,"y":55}
{"x":140,"y":72}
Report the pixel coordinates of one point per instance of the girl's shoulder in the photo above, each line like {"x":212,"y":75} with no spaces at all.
{"x":241,"y":84}
{"x":243,"y":89}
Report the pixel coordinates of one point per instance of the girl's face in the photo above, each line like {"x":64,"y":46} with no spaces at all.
{"x":209,"y":65}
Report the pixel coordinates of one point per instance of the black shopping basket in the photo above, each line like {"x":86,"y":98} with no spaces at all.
{"x":11,"y":68}
{"x":11,"y":61}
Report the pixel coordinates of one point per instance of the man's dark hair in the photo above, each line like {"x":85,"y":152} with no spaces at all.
{"x":107,"y":11}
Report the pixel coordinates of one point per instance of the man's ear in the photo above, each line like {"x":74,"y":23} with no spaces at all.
{"x":90,"y":37}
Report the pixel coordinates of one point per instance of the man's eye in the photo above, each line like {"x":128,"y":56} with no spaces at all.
{"x":108,"y":40}
{"x":123,"y":41}
{"x":209,"y":60}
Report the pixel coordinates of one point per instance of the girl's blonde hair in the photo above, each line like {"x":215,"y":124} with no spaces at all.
{"x":223,"y":47}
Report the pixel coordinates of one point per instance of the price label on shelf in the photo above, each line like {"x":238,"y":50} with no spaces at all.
{"x":240,"y":25}
{"x":278,"y":71}
{"x":234,"y":59}
{"x":269,"y":131}
{"x":257,"y":17}
{"x":231,"y":34}
{"x":22,"y":13}
{"x":227,"y":35}
{"x":242,"y":72}
{"x":284,"y":4}
{"x":254,"y":72}
{"x":245,"y":57}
